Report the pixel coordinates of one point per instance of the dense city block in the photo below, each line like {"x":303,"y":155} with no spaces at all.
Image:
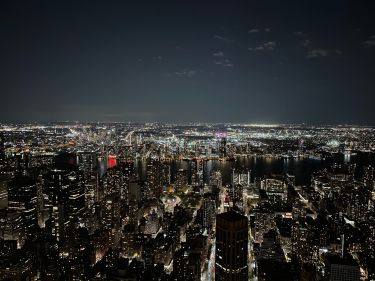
{"x":153,"y":201}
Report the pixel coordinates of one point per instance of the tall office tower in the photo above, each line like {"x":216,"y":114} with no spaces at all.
{"x":193,"y":174}
{"x":236,"y":194}
{"x":22,"y":162}
{"x":369,"y":178}
{"x":40,"y":201}
{"x":86,"y":164}
{"x":113,"y":182}
{"x":239,"y":181}
{"x":180,"y":260}
{"x":181,"y":179}
{"x":76,"y":196}
{"x":134,"y":190}
{"x":66,"y":199}
{"x":223,"y":147}
{"x":158,"y":176}
{"x":56,"y":222}
{"x":111,"y":212}
{"x":128,"y":173}
{"x":264,"y":221}
{"x":12,"y":226}
{"x":209,"y":211}
{"x":302,"y":245}
{"x":231,"y":247}
{"x":186,"y":265}
{"x":196,"y":171}
{"x":2,"y":140}
{"x":341,"y":268}
{"x":111,"y":219}
{"x":356,"y":202}
{"x":22,"y":197}
{"x":56,"y":193}
{"x":276,"y":190}
{"x":3,"y":193}
{"x":199,"y":172}
{"x":98,"y":187}
{"x":127,"y":242}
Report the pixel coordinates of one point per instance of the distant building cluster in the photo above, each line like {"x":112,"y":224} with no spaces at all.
{"x":188,"y":202}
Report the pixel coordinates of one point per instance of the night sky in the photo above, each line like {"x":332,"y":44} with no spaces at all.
{"x":181,"y":61}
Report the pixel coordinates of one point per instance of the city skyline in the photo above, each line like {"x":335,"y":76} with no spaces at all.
{"x":248,"y":62}
{"x":169,"y":140}
{"x":198,"y":202}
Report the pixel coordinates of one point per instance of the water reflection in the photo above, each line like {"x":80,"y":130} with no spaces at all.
{"x":301,"y":168}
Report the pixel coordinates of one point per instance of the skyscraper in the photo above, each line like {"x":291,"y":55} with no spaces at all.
{"x":209,"y":210}
{"x":231,"y":247}
{"x":1,"y":145}
{"x":66,"y":199}
{"x":22,"y":198}
{"x":340,"y":268}
{"x":197,"y":167}
{"x":223,"y":147}
{"x":181,"y":179}
{"x":157,"y":177}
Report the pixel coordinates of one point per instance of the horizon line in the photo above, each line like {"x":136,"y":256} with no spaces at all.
{"x":250,"y":124}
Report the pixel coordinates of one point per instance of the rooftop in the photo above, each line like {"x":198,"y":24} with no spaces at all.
{"x":231,"y":216}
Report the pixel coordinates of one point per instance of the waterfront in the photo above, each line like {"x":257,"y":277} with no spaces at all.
{"x":259,"y":167}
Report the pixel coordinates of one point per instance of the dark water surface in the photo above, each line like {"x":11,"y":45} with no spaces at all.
{"x":260,"y":166}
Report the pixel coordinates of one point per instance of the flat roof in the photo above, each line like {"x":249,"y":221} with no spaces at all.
{"x":232,"y":216}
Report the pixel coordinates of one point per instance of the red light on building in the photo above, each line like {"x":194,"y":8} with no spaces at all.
{"x":112,"y":161}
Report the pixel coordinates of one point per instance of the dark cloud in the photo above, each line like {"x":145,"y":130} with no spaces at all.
{"x":253,"y":30}
{"x":316,"y":53}
{"x":186,"y":73}
{"x":224,"y":63}
{"x":218,"y":54}
{"x":370,"y":42}
{"x":267,"y":46}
